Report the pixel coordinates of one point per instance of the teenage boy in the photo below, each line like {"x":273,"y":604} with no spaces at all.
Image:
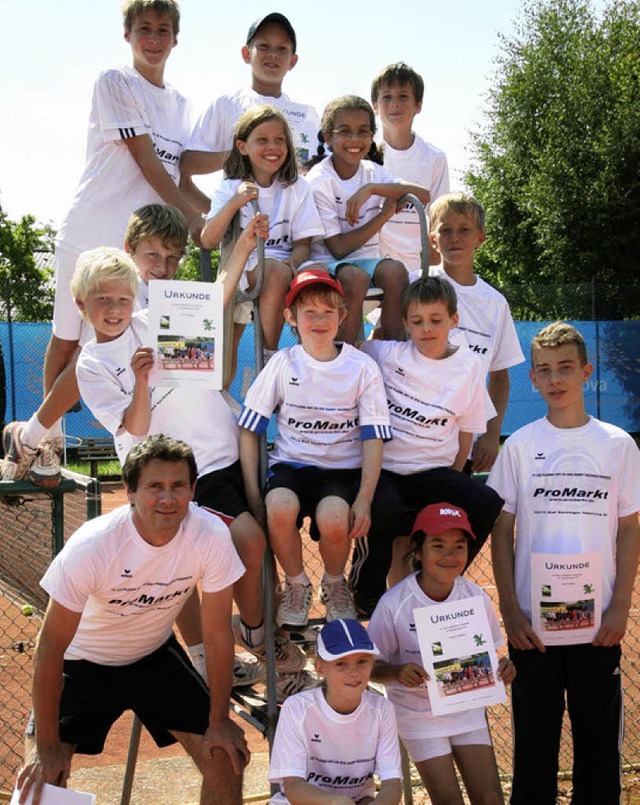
{"x":106,"y":643}
{"x":457,"y":230}
{"x":396,"y":95}
{"x":437,"y":400}
{"x":270,"y":51}
{"x":330,"y":741}
{"x":332,"y":419}
{"x":138,"y":126}
{"x":571,"y":486}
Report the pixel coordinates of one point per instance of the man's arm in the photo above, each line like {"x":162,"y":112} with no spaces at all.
{"x":49,"y":760}
{"x":197,"y":163}
{"x":614,"y":619}
{"x":218,"y":640}
{"x":518,"y":628}
{"x":360,"y":514}
{"x":486,"y":448}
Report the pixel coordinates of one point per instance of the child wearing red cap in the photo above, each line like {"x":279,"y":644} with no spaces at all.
{"x":332,"y":420}
{"x":437,"y":744}
{"x":331,"y":740}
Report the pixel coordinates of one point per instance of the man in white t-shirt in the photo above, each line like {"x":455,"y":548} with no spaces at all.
{"x":107,"y":644}
{"x":571,"y":486}
{"x":270,"y":51}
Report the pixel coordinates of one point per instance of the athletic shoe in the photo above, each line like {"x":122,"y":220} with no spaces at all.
{"x":289,"y":657}
{"x":338,"y":600}
{"x":247,"y":672}
{"x":18,"y":457}
{"x":288,"y":684}
{"x":45,"y":470}
{"x":293,"y":611}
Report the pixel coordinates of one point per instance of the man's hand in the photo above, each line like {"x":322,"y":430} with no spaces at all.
{"x":228,"y":736}
{"x":47,"y":764}
{"x":520,"y":632}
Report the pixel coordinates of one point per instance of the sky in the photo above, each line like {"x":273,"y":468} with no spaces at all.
{"x":52,"y":52}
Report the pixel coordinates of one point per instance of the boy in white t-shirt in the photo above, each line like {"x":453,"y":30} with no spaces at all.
{"x":138,"y":127}
{"x":396,"y":95}
{"x":571,"y":486}
{"x":270,"y":51}
{"x":331,"y":740}
{"x":437,"y":400}
{"x":332,"y":419}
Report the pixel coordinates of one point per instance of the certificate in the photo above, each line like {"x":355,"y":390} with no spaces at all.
{"x":459,"y":655}
{"x":54,"y":795}
{"x":185,"y":328}
{"x":566,"y":597}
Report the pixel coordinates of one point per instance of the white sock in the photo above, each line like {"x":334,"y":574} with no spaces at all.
{"x":196,"y":655}
{"x":33,"y":432}
{"x":252,"y":636}
{"x":327,"y":578}
{"x":56,"y":429}
{"x":301,"y":578}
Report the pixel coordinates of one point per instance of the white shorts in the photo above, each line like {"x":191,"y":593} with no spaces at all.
{"x":427,"y":748}
{"x":67,"y":321}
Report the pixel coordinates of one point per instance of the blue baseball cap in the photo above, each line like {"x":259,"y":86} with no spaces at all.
{"x":341,"y":638}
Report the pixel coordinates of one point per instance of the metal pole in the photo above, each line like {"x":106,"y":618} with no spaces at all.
{"x":12,"y":371}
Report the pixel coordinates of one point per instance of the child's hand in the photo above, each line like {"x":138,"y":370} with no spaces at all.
{"x":352,"y":211}
{"x":246,"y":192}
{"x":519,"y":630}
{"x":142,"y":363}
{"x":258,"y":227}
{"x":257,"y":509}
{"x":359,"y":519}
{"x":412,"y":675}
{"x":506,"y":670}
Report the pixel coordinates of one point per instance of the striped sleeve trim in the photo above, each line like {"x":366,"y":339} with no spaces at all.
{"x":253,"y":421}
{"x":376,"y":432}
{"x":126,"y":134}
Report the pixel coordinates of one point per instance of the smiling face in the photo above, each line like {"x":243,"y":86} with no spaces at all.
{"x":457,"y":236}
{"x":154,"y":259}
{"x":346,"y":678}
{"x":152,"y":39}
{"x":317,"y":321}
{"x":443,"y":557}
{"x":108,"y":309}
{"x":428,"y":325}
{"x":161,"y":500}
{"x":350,"y":140}
{"x":397,"y":106}
{"x":266,"y":149}
{"x":559,"y":375}
{"x":270,"y":55}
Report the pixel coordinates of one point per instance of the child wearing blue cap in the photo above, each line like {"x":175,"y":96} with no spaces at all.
{"x":331,"y":740}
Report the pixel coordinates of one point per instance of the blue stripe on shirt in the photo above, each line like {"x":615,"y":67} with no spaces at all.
{"x":253,"y":421}
{"x":376,"y":432}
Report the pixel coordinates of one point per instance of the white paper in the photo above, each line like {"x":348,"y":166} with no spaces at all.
{"x":459,"y":655}
{"x":566,"y":597}
{"x":185,"y":328}
{"x":54,"y":795}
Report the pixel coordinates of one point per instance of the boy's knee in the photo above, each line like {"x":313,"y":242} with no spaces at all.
{"x":391,"y":273}
{"x":282,"y":507}
{"x":277,"y":272}
{"x":333,"y":521}
{"x":354,"y":280}
{"x":249,"y":542}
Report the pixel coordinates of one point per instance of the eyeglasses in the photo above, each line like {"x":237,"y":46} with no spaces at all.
{"x":351,"y":134}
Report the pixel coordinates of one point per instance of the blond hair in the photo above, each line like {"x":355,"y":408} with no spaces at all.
{"x":103,"y":264}
{"x":157,"y":221}
{"x":458,"y":202}
{"x":559,"y":334}
{"x":131,"y":9}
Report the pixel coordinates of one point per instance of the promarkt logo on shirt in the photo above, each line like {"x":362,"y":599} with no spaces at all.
{"x":323,"y":424}
{"x":149,"y":600}
{"x":339,"y":780}
{"x":415,"y":416}
{"x":567,"y":493}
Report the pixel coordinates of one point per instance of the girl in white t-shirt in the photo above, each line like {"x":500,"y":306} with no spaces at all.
{"x":262,"y":167}
{"x":355,"y":198}
{"x":437,"y":744}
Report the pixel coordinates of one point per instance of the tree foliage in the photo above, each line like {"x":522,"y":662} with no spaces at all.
{"x":557,"y":165}
{"x":28,"y":287}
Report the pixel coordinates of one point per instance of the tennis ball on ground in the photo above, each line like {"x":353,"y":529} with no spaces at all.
{"x":28,"y":610}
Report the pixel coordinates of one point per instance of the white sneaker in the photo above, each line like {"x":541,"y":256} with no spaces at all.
{"x":293,"y":611}
{"x":45,"y":470}
{"x":247,"y":671}
{"x":18,"y":457}
{"x":289,"y":657}
{"x":288,"y":684}
{"x":338,"y":600}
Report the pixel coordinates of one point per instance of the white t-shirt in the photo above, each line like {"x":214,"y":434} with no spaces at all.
{"x":214,"y":129}
{"x":128,"y":591}
{"x":292,"y":216}
{"x":200,"y":417}
{"x":325,"y":408}
{"x":568,"y":487}
{"x":331,"y":194}
{"x":124,"y":105}
{"x":422,"y":164}
{"x":430,"y":402}
{"x":337,"y":753}
{"x":393,"y":630}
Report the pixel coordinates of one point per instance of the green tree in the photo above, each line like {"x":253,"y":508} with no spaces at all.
{"x":557,"y":164}
{"x":28,"y":286}
{"x":190,"y":265}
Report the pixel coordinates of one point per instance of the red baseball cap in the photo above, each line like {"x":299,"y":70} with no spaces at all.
{"x":311,"y":276}
{"x":439,"y":517}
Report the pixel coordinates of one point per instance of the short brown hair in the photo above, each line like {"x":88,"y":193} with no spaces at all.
{"x":399,"y":74}
{"x":160,"y":447}
{"x":557,"y":335}
{"x":426,"y":290}
{"x":157,"y":221}
{"x":131,"y":9}
{"x":461,"y":203}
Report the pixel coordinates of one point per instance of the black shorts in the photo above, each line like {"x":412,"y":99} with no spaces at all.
{"x":163,"y":689}
{"x":222,"y":491}
{"x":311,"y":485}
